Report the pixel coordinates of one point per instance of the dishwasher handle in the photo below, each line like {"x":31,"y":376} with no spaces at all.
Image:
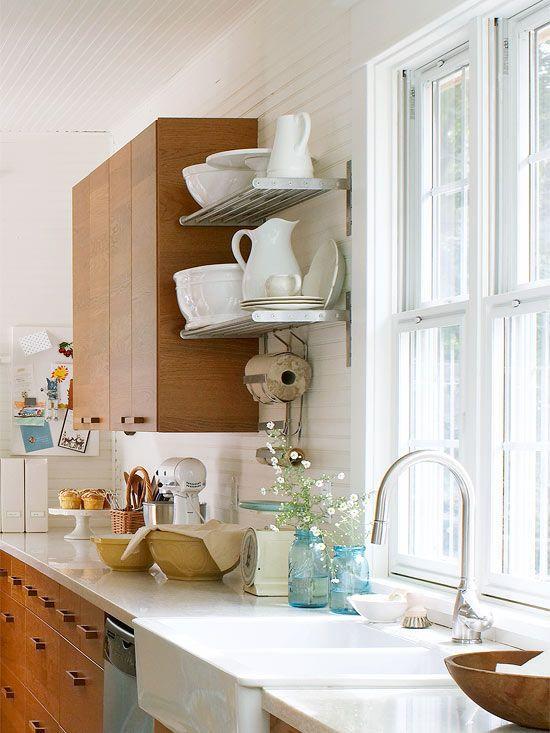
{"x":119,"y":646}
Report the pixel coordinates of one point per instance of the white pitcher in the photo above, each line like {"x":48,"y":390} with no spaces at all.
{"x":290,"y":156}
{"x":271,"y":253}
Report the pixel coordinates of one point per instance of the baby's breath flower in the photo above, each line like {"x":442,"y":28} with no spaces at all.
{"x":331,"y":510}
{"x":280,"y":480}
{"x":273,"y":528}
{"x":335,"y":581}
{"x":274,"y":461}
{"x":315,"y":531}
{"x":294,"y":455}
{"x":353,"y":498}
{"x":270,"y":425}
{"x":319,"y":483}
{"x":341,"y":476}
{"x":306,"y":464}
{"x":263,"y":492}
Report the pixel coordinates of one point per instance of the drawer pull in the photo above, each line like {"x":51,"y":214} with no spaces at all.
{"x":89,"y":420}
{"x":36,"y":727}
{"x":89,"y":631}
{"x":46,"y":602}
{"x":3,"y":572}
{"x":68,"y":617}
{"x":30,"y":590}
{"x":38,"y":643}
{"x":132,"y":420}
{"x":77,"y":679}
{"x":8,"y":618}
{"x":14,"y":580}
{"x":8,"y":693}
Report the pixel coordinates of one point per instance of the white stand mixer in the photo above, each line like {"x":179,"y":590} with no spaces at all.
{"x":184,"y":479}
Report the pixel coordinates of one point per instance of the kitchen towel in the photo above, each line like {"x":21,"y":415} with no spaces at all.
{"x":223,"y":541}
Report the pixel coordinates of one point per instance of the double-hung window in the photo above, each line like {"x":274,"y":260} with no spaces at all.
{"x":472,"y":322}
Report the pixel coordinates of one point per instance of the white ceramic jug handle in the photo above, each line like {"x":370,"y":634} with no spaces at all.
{"x":297,"y":283}
{"x":301,"y":145}
{"x":236,"y":246}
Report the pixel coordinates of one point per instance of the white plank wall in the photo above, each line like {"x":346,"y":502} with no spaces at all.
{"x":285,"y":57}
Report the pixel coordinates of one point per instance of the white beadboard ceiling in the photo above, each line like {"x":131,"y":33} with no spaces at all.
{"x":84,"y":64}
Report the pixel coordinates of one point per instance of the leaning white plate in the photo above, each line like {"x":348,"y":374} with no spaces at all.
{"x":282,"y":306}
{"x":238,"y":158}
{"x":326,"y":274}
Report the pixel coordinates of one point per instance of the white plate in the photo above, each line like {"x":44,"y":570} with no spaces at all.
{"x":283,"y":306}
{"x":239,"y":158}
{"x":284,"y":299}
{"x":326,"y":274}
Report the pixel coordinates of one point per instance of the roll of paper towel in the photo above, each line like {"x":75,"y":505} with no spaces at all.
{"x":277,"y":377}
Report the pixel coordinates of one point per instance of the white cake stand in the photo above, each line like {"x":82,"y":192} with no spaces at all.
{"x":82,"y":529}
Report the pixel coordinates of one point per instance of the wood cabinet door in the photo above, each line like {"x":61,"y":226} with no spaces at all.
{"x":120,"y":287}
{"x":37,"y":719}
{"x":17,"y":580}
{"x":91,"y":300}
{"x":80,"y":692}
{"x":144,"y":279}
{"x":13,"y":702}
{"x":68,"y":615}
{"x":5,"y":571}
{"x":42,"y":668}
{"x":91,"y":630}
{"x":12,"y":648}
{"x":42,"y":596}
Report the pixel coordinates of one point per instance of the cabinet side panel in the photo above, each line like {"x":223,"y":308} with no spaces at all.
{"x":81,"y":299}
{"x":200,"y":382}
{"x":120,"y":288}
{"x":98,"y":330}
{"x":144,"y":280}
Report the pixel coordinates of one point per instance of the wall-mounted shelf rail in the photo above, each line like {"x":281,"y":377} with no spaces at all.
{"x":260,"y":322}
{"x":266,"y":197}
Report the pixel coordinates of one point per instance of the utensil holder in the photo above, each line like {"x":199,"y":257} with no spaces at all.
{"x":130,"y":519}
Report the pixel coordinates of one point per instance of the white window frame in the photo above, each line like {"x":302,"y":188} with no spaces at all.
{"x":377,"y":208}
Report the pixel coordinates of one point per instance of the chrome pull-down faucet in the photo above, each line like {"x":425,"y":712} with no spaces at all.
{"x":469,"y":617}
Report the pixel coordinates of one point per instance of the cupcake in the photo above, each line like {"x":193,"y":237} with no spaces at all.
{"x":69,"y":499}
{"x":93,"y":498}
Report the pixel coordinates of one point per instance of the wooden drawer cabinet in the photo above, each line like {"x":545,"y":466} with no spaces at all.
{"x":81,"y":623}
{"x":132,"y":371}
{"x":5,"y":571}
{"x":17,"y":579}
{"x":37,"y":719}
{"x":12,"y":702}
{"x":80,"y":692}
{"x":42,"y":648}
{"x":42,"y":596}
{"x":12,"y":636}
{"x":68,"y":615}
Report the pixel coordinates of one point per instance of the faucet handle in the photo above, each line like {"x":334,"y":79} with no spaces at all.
{"x":471,"y":618}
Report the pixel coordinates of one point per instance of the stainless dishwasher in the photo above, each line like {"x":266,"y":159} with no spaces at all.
{"x":121,"y":713}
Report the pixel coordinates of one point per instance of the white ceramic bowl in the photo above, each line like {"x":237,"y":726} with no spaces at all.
{"x":209,"y":294}
{"x":208,"y":185}
{"x":377,"y":608}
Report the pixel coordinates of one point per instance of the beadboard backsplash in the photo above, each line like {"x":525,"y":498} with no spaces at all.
{"x":284,"y":57}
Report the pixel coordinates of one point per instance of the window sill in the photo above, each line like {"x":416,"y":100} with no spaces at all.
{"x":513,"y":626}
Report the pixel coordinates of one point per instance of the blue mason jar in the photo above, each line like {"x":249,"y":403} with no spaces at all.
{"x":308,"y":571}
{"x":350,"y":574}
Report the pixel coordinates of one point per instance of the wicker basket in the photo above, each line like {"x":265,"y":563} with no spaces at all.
{"x":138,"y":490}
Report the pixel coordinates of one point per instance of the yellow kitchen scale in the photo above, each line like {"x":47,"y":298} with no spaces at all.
{"x":264,"y":561}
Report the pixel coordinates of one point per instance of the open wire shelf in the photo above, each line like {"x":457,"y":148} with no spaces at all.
{"x":260,"y":322}
{"x":266,"y":196}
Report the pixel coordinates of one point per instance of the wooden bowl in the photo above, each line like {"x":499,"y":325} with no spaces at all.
{"x":521,"y":699}
{"x":183,"y":558}
{"x":111,"y":547}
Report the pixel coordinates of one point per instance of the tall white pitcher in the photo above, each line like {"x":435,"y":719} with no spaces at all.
{"x":290,"y":156}
{"x":271,"y":254}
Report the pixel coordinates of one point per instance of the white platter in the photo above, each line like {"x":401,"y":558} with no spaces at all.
{"x":281,"y":306}
{"x":246,"y":158}
{"x":326,"y":274}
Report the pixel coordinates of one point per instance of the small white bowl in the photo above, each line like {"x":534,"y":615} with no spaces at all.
{"x":209,"y":294}
{"x":208,"y":185}
{"x":377,"y":607}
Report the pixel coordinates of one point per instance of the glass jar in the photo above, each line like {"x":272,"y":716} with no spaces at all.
{"x":350,"y":574}
{"x":308,"y":571}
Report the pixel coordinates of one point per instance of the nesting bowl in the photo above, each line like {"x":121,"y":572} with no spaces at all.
{"x":377,"y":607}
{"x":183,"y":558}
{"x":111,"y":547}
{"x":209,"y":294}
{"x":209,"y":185}
{"x":520,"y":699}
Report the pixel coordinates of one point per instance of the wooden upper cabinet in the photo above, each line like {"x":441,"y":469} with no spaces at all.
{"x":132,"y":370}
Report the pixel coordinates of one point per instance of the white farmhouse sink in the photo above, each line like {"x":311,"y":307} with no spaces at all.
{"x":208,"y":674}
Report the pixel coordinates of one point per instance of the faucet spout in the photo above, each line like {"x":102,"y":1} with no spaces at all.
{"x":468,"y":619}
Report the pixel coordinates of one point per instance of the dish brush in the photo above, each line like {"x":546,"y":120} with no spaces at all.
{"x":416,"y":617}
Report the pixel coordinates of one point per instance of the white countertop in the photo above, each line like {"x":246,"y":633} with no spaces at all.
{"x":382,"y":711}
{"x":76,"y":565}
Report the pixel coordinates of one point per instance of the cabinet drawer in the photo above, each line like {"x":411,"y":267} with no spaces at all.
{"x":13,"y":702}
{"x":42,"y":596}
{"x":68,"y":615}
{"x":80,"y":692}
{"x":91,"y":631}
{"x":36,"y":718}
{"x":12,"y":648}
{"x":17,"y":579}
{"x":5,"y":571}
{"x":42,"y":655}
